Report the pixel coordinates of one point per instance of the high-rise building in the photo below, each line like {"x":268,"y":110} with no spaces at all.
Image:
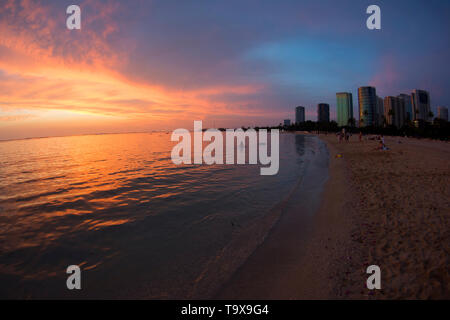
{"x":380,"y":112}
{"x":389,"y":109}
{"x":442,"y":113}
{"x":323,"y":112}
{"x":400,"y":113}
{"x":344,"y":108}
{"x":408,"y":106}
{"x":394,"y":111}
{"x":421,"y":104}
{"x":287,"y":122}
{"x":367,"y":100}
{"x":299,"y":114}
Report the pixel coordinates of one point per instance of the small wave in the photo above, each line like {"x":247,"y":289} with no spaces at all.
{"x":35,"y":196}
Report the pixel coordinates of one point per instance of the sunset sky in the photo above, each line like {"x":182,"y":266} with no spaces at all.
{"x":149,"y":65}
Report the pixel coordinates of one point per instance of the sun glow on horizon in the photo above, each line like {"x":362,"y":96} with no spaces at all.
{"x":52,"y":77}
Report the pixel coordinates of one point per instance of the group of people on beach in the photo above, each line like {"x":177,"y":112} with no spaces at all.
{"x":343,"y":135}
{"x":381,"y":143}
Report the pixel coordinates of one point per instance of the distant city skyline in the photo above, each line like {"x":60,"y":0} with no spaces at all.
{"x":377,"y":111}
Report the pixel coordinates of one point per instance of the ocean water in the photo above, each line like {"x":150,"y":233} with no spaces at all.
{"x":137,"y":225}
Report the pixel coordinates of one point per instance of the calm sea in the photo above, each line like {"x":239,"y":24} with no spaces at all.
{"x":136,"y":224}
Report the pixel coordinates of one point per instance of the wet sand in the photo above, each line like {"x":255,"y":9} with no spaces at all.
{"x":388,"y":208}
{"x":276,"y":270}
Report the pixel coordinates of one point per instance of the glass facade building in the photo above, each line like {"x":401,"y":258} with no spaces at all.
{"x":367,"y":100}
{"x":323,"y":112}
{"x":344,"y":108}
{"x":380,"y":112}
{"x":394,"y":111}
{"x":420,"y":104}
{"x":299,"y":114}
{"x":408,"y":106}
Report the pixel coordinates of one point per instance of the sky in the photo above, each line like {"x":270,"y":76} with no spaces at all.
{"x":141,"y":65}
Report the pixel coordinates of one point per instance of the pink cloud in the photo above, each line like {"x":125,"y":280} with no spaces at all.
{"x":387,"y":78}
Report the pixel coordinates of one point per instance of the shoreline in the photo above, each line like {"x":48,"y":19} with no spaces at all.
{"x":385,"y":208}
{"x":277,"y":269}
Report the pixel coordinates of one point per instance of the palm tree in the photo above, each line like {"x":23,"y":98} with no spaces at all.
{"x":351,"y":122}
{"x":391,"y":114}
{"x":363,"y":118}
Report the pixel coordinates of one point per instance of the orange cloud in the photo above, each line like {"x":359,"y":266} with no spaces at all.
{"x":44,"y":66}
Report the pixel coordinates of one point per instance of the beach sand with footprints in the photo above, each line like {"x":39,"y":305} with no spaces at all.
{"x":385,"y":208}
{"x":397,"y":218}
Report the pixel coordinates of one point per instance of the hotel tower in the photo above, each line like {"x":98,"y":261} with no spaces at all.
{"x":323,"y":112}
{"x":421,"y":104}
{"x":367,"y":100}
{"x":344,"y":108}
{"x":299,"y":114}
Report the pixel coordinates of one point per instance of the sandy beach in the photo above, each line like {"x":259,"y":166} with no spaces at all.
{"x":398,"y":219}
{"x":386,"y":208}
